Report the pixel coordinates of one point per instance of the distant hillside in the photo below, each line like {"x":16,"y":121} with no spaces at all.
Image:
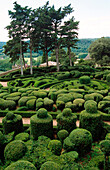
{"x":82,"y":44}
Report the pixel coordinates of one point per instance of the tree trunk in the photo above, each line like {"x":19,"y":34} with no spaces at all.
{"x":31,"y":71}
{"x":69,"y":50}
{"x":23,"y":60}
{"x":57,"y":59}
{"x":21,"y":56}
{"x":46,"y":57}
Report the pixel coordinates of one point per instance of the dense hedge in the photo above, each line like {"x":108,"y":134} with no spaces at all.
{"x":41,"y":124}
{"x":79,"y":140}
{"x":66,"y":120}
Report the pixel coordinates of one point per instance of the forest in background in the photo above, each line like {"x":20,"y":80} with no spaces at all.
{"x":81,"y":51}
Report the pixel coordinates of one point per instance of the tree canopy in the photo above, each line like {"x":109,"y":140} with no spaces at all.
{"x":100,"y":51}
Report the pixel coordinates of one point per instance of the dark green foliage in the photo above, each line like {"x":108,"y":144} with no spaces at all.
{"x":55,"y":147}
{"x":70,"y":156}
{"x":12,"y":122}
{"x":66,"y":120}
{"x":62,"y":134}
{"x":93,"y":96}
{"x":105,"y":147}
{"x":84,"y":79}
{"x":102,"y":105}
{"x":23,"y":108}
{"x":22,"y":136}
{"x":108,"y":78}
{"x":31,"y":104}
{"x":50,"y":166}
{"x":39,"y":94}
{"x":60,"y":105}
{"x":13,"y":98}
{"x":10,"y":104}
{"x":15,"y":150}
{"x":90,"y":106}
{"x":71,"y":106}
{"x":41,"y":124}
{"x":63,"y":76}
{"x":78,"y":104}
{"x":48,"y":104}
{"x":21,"y":165}
{"x":93,"y":123}
{"x":23,"y":100}
{"x":39,"y":105}
{"x":107,"y":137}
{"x":79,"y":140}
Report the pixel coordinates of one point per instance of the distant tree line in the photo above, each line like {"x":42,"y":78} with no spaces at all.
{"x":45,"y":30}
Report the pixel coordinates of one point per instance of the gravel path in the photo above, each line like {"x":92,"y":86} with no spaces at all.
{"x":4,"y":83}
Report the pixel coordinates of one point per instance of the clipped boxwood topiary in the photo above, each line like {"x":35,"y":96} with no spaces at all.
{"x":55,"y":147}
{"x":39,"y":105}
{"x":93,"y":96}
{"x":70,"y":157}
{"x":12,"y":122}
{"x":66,"y":120}
{"x":31,"y":104}
{"x":39,"y":94}
{"x":79,"y":140}
{"x":108,"y":78}
{"x":48,"y":104}
{"x":71,"y":106}
{"x":50,"y":165}
{"x":62,"y":134}
{"x":91,"y":120}
{"x":21,"y":165}
{"x":15,"y":150}
{"x":41,"y":124}
{"x":78,"y":104}
{"x":107,"y":137}
{"x":22,"y":136}
{"x":90,"y":106}
{"x":60,"y":105}
{"x":84,"y":79}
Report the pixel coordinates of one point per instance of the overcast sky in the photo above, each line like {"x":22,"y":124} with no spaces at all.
{"x":94,"y":15}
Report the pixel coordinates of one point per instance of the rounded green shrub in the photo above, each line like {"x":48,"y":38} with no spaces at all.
{"x":107,"y":137}
{"x":39,"y":105}
{"x":93,"y":123}
{"x":78,"y":104}
{"x":21,"y":165}
{"x":62,"y":134}
{"x":60,"y":105}
{"x":93,"y":96}
{"x":90,"y":106}
{"x":79,"y":140}
{"x":23,"y":100}
{"x":70,"y":156}
{"x":42,"y":113}
{"x":84,"y":79}
{"x":41,"y":124}
{"x":70,"y":105}
{"x":50,"y":165}
{"x":39,"y":94}
{"x":66,"y":120}
{"x":105,"y":147}
{"x":22,"y":136}
{"x":48,"y":104}
{"x":39,"y":100}
{"x":15,"y":150}
{"x":12,"y":122}
{"x":10,"y":104}
{"x":67,"y":112}
{"x":55,"y":147}
{"x":108,"y":78}
{"x":31,"y":104}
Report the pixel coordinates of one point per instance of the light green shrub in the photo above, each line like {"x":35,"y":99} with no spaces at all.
{"x":21,"y":165}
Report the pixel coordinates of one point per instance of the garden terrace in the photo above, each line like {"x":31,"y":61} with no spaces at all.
{"x":66,"y":96}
